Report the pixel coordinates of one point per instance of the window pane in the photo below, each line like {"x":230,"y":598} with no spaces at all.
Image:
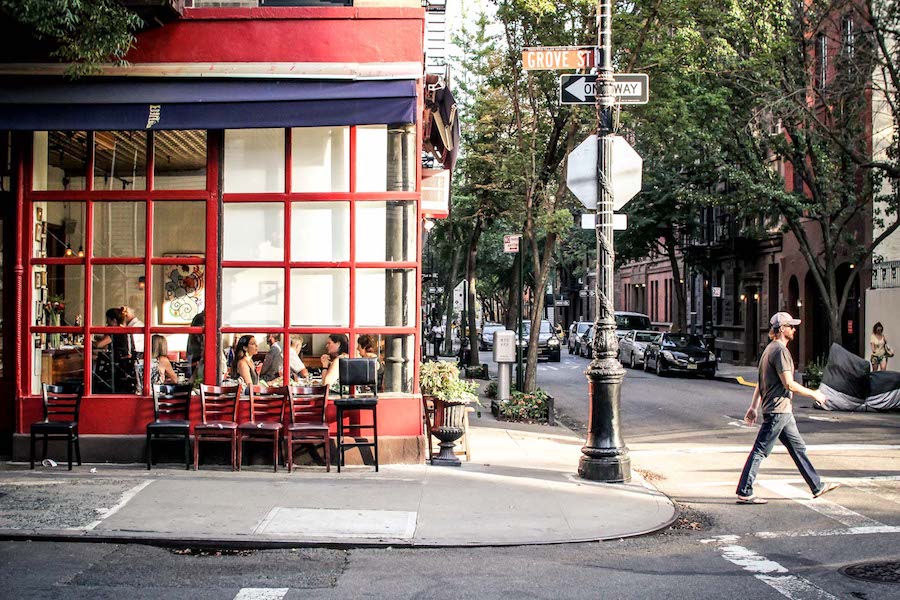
{"x":116,"y":367}
{"x":120,"y":229}
{"x":60,"y":160}
{"x":179,"y":294}
{"x":115,"y":286}
{"x":320,"y":231}
{"x":320,"y":159}
{"x":395,"y":359}
{"x":390,"y":231}
{"x":385,"y":297}
{"x":231,"y":343}
{"x":59,"y":226}
{"x":120,"y":160}
{"x":310,"y":347}
{"x":371,"y":158}
{"x":58,"y":360}
{"x":58,"y":295}
{"x":254,"y":231}
{"x":254,"y":160}
{"x":168,"y":361}
{"x":179,"y":160}
{"x":320,"y":297}
{"x":179,"y":228}
{"x":252,"y":297}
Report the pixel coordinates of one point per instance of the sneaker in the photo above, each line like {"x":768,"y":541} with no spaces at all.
{"x":828,"y":487}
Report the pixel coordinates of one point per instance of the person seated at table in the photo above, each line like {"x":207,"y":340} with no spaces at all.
{"x":115,"y":366}
{"x":337,"y":346}
{"x":274,"y":361}
{"x":243,"y":368}
{"x":115,"y":317}
{"x":194,"y":348}
{"x":367,"y":347}
{"x":297,"y":366}
{"x":161,"y":370}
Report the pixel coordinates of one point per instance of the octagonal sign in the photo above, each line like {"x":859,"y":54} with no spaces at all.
{"x":581,"y":175}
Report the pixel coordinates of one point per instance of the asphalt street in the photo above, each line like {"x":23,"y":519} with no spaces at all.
{"x":685,"y":437}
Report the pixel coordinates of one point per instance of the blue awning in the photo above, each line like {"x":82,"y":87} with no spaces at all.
{"x":129,"y":104}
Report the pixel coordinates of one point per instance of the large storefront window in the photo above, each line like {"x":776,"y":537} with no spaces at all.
{"x":317,"y":235}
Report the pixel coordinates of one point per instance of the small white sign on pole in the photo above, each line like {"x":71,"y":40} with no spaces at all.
{"x":589,"y":221}
{"x":716,"y":292}
{"x":511,"y":244}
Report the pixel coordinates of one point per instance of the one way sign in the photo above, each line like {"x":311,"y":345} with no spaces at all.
{"x":630,"y":88}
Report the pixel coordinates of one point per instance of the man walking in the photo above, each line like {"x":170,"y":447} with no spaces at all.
{"x":774,"y":392}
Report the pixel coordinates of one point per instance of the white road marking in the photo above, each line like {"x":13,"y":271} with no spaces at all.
{"x":768,"y":571}
{"x":870,"y":487}
{"x":261,"y":594}
{"x":108,"y":512}
{"x":847,"y":480}
{"x":772,"y":535}
{"x":839,"y":513}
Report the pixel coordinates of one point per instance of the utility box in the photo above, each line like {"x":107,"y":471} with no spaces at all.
{"x":505,"y":347}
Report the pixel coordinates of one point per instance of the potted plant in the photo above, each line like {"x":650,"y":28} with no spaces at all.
{"x":440,"y":383}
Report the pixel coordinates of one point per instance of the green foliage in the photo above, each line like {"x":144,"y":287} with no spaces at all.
{"x":491,"y":390}
{"x":814,"y":371}
{"x":526,"y":406}
{"x":441,"y":380}
{"x":87,"y":33}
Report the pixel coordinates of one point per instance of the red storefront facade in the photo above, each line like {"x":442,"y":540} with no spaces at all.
{"x":292,"y":207}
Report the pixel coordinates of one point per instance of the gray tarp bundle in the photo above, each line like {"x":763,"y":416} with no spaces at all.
{"x":849,"y":384}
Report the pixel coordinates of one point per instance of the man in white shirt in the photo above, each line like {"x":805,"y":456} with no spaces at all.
{"x":131,"y":320}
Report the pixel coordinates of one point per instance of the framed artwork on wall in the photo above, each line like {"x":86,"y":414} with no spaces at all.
{"x":183,"y":291}
{"x":38,"y":231}
{"x":40,"y":214}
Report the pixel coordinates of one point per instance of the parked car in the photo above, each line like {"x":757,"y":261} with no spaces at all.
{"x":679,"y":352}
{"x":632,"y":346}
{"x":548,"y":342}
{"x":630,"y":321}
{"x":486,"y":337}
{"x":586,"y":346}
{"x":576,"y":330}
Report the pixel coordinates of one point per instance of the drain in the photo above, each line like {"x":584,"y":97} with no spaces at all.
{"x":875,"y":572}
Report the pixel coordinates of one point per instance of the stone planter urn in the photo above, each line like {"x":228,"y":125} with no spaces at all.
{"x":448,"y":427}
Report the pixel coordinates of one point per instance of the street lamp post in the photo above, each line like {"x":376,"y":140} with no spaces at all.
{"x":604,"y":455}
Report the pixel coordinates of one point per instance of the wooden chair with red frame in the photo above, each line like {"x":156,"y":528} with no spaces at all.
{"x":218,"y":411}
{"x":307,"y":423}
{"x":266,"y":414}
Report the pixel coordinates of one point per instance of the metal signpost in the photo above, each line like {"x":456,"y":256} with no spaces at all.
{"x":511,"y":246}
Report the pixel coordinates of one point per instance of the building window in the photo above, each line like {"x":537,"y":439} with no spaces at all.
{"x":848,"y":36}
{"x":821,"y":57}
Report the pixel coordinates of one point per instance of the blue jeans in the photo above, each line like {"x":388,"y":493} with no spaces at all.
{"x":778,"y":426}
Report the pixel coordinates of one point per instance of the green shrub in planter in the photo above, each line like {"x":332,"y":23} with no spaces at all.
{"x":533,"y":406}
{"x":814,"y":371}
{"x":441,"y":380}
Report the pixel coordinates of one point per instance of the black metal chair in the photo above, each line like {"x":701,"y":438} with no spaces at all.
{"x":353,"y":372}
{"x":171,"y":418}
{"x":62,"y":405}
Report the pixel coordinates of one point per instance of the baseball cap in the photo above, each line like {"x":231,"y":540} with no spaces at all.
{"x":782,"y":318}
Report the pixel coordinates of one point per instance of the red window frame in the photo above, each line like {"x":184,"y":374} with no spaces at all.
{"x":211,"y":196}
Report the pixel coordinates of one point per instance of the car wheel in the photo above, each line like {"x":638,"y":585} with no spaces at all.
{"x":646,"y":370}
{"x":631,"y":362}
{"x":659,"y":369}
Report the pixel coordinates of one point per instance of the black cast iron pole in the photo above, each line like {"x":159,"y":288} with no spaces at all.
{"x":604,"y":455}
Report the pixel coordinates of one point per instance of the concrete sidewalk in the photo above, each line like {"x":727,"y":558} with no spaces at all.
{"x":737,"y":374}
{"x":520,"y":488}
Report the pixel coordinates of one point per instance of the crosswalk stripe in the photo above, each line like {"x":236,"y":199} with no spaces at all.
{"x":773,"y":535}
{"x":261,"y":594}
{"x":870,"y":487}
{"x":839,"y":513}
{"x":768,"y":571}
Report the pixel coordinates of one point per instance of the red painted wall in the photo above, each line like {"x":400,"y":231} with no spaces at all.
{"x":286,"y":35}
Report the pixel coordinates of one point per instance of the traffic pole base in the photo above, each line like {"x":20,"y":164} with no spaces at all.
{"x":615,"y":469}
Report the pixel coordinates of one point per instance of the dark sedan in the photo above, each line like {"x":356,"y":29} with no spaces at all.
{"x":679,"y":353}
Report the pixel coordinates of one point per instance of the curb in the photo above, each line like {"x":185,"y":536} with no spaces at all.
{"x":736,"y":379}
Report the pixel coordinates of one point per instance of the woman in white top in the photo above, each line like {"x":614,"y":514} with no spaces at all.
{"x":879,"y":348}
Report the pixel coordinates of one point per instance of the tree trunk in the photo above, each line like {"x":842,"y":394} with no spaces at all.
{"x":471,"y":259}
{"x":537,"y":310}
{"x":512,"y":296}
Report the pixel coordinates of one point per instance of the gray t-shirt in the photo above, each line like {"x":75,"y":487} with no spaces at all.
{"x":775,"y":359}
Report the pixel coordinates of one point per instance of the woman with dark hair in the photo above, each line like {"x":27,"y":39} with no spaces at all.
{"x":115,"y":317}
{"x":337,"y":346}
{"x":880,"y":349}
{"x":243,"y":367}
{"x":114,"y":370}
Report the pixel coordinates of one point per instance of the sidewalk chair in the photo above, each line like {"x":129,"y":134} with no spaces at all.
{"x":171,"y":418}
{"x":61,"y":407}
{"x":218,"y":409}
{"x":266,"y":413}
{"x":462,"y":444}
{"x":354,"y":372}
{"x":307,"y":424}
